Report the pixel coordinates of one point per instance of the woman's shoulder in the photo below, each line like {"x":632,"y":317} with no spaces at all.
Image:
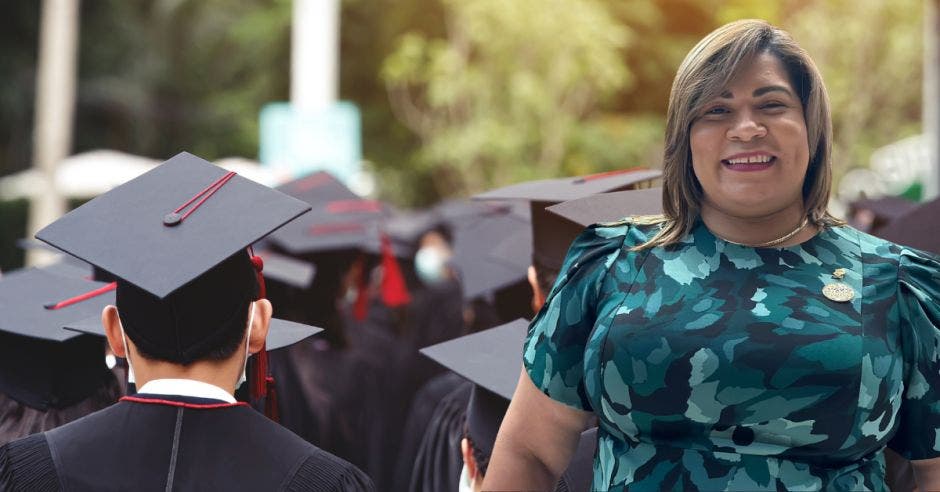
{"x":888,"y":260}
{"x":629,"y":231}
{"x":883,"y":248}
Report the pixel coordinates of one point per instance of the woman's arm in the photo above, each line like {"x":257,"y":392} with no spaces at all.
{"x":927,"y":473}
{"x":535,"y":441}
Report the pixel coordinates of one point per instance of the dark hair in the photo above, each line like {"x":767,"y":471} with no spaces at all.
{"x":204,"y":320}
{"x":545,"y":276}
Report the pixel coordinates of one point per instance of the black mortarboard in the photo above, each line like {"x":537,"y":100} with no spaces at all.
{"x":287,"y":270}
{"x":176,"y":238}
{"x":405,"y":229}
{"x":281,"y":332}
{"x":65,"y":265}
{"x":609,"y":207}
{"x":491,"y":359}
{"x":551,"y":234}
{"x":317,"y":188}
{"x":346,"y":224}
{"x":125,"y":231}
{"x":917,"y":228}
{"x":481,"y":268}
{"x":41,"y":364}
{"x":880,"y":212}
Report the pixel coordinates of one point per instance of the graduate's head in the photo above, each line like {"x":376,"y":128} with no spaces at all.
{"x":490,"y":360}
{"x":176,"y":239}
{"x":205,"y":320}
{"x":484,"y":415}
{"x":552,"y":234}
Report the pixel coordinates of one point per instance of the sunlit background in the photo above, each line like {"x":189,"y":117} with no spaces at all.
{"x":435,"y":98}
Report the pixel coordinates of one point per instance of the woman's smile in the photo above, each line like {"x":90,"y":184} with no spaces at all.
{"x":749,"y":161}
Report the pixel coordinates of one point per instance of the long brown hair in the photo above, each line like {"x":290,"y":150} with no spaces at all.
{"x":701,"y":77}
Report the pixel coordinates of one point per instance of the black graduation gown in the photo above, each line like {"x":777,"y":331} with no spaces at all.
{"x":383,"y":383}
{"x":321,"y":395}
{"x":163,"y":442}
{"x":419,"y":416}
{"x":439,"y":461}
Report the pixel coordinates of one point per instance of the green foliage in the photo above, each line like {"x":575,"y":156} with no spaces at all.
{"x":872,"y":64}
{"x":456,"y":95}
{"x":504,"y":96}
{"x":13,"y":218}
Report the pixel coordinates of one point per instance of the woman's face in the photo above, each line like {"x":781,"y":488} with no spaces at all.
{"x":749,"y":147}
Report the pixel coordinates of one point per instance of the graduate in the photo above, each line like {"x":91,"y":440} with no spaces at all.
{"x":189,"y":310}
{"x":50,"y":376}
{"x":487,"y":360}
{"x":437,"y":463}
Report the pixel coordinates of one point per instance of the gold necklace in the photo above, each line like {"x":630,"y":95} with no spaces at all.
{"x":772,"y":242}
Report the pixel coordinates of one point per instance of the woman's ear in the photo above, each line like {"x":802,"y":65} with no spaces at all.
{"x":259,"y":325}
{"x":112,"y":330}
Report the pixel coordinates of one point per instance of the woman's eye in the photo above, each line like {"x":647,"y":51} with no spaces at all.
{"x":718,"y":110}
{"x":773,"y":105}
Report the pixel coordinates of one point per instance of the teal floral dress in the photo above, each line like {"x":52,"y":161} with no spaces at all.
{"x":713,"y":366}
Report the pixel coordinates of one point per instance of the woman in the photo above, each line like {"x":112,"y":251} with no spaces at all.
{"x":746,"y":340}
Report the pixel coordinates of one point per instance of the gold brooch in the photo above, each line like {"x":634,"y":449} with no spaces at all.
{"x":838,"y":291}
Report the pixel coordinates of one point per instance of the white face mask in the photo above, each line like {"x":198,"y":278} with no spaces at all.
{"x":430,"y":264}
{"x":465,"y":485}
{"x":131,"y":379}
{"x":127,"y":353}
{"x":244,"y":376}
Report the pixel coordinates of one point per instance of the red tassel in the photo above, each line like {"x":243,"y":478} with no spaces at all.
{"x":259,"y":375}
{"x":258,"y":263}
{"x":394,"y":290}
{"x":271,"y":409}
{"x":361,"y":307}
{"x":262,"y":383}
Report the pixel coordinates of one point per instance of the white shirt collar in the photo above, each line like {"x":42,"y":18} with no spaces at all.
{"x":186,"y":387}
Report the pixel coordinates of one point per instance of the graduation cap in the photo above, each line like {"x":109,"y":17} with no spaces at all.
{"x":286,"y":269}
{"x":917,"y":228}
{"x":42,"y":365}
{"x":345,"y":224}
{"x":872,"y":214}
{"x":491,"y":359}
{"x":176,"y":238}
{"x":405,"y":229}
{"x":609,"y":207}
{"x":551,"y":234}
{"x":170,"y":225}
{"x":482,"y":258}
{"x":65,"y":265}
{"x":317,"y":188}
{"x":281,"y":332}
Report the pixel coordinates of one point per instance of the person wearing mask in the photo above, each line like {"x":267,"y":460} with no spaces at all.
{"x":189,"y":310}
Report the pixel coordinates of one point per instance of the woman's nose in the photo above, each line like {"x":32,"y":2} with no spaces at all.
{"x":746,"y":127}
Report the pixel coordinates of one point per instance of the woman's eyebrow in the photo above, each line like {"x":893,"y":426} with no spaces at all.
{"x":761,"y":91}
{"x":772,"y":88}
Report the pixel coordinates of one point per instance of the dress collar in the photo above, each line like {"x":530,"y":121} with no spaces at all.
{"x":186,"y":387}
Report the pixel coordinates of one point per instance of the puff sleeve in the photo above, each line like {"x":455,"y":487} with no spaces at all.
{"x":918,"y":434}
{"x":554,"y":351}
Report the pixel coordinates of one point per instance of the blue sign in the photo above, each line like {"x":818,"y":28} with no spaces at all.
{"x":305,"y":141}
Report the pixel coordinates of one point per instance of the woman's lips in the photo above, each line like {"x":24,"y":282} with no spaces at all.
{"x":748,"y":166}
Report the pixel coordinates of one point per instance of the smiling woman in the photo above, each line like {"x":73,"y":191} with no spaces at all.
{"x":746,"y":339}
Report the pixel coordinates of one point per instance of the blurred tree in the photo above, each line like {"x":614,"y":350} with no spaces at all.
{"x":500,"y":99}
{"x":872,"y":65}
